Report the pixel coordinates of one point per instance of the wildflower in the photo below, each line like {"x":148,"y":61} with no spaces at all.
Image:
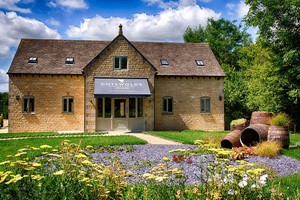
{"x":14,"y":179}
{"x":29,"y":168}
{"x":242,"y":184}
{"x":21,"y":150}
{"x":253,"y":187}
{"x":80,"y":156}
{"x":45,"y":146}
{"x":128,"y":174}
{"x":149,"y":176}
{"x":20,"y":154}
{"x":85,"y":179}
{"x":87,"y":163}
{"x":5,"y":162}
{"x":245,"y":177}
{"x":264,"y":177}
{"x":37,"y":177}
{"x":89,"y":147}
{"x":58,"y":173}
{"x":232,"y":192}
{"x":54,"y":155}
{"x":166,"y":159}
{"x":161,"y":178}
{"x":54,"y":150}
{"x":36,"y":164}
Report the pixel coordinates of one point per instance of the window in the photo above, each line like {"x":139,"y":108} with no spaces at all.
{"x":68,"y":104}
{"x":205,"y":105}
{"x":120,"y":62}
{"x":167,"y":105}
{"x":104,"y":107}
{"x":28,"y":104}
{"x":136,"y":107}
{"x":100,"y":107}
{"x":32,"y":60}
{"x":69,"y":60}
{"x":164,"y":62}
{"x":199,"y":62}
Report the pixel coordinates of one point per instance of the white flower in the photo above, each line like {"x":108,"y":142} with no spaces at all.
{"x":253,"y":187}
{"x":242,"y":184}
{"x":245,"y":177}
{"x":232,"y":192}
{"x":262,"y":182}
{"x":264,"y":177}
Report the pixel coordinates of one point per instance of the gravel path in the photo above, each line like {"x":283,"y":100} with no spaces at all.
{"x":144,"y":157}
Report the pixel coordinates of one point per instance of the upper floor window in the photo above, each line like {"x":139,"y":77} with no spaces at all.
{"x":33,"y":60}
{"x":120,"y":62}
{"x":68,"y":104}
{"x":167,"y":105}
{"x":205,"y":105}
{"x":28,"y":104}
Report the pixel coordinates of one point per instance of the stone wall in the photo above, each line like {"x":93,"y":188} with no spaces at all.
{"x":102,"y":66}
{"x":48,"y":91}
{"x":186,"y":93}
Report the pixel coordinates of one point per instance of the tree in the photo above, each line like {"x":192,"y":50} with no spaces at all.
{"x":4,"y":105}
{"x":224,"y":37}
{"x":279,"y":29}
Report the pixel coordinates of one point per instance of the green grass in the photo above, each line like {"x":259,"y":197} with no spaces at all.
{"x":41,"y":134}
{"x":290,"y":185}
{"x":189,"y":136}
{"x":8,"y":147}
{"x":294,"y":138}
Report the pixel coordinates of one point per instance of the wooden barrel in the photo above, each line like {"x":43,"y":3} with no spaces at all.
{"x":260,"y":118}
{"x":279,"y":134}
{"x":254,"y":134}
{"x":232,"y":139}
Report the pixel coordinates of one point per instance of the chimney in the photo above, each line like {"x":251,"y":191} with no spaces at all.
{"x":120,"y":29}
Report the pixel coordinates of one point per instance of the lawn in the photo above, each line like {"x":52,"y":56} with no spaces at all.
{"x":8,"y":147}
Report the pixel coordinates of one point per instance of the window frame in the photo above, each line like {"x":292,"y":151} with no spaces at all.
{"x":164,"y":62}
{"x":120,"y":62}
{"x":206,"y":108}
{"x":68,"y":104}
{"x":33,"y":60}
{"x":32,"y":111}
{"x":167,"y":110}
{"x":200,"y":63}
{"x":70,"y":61}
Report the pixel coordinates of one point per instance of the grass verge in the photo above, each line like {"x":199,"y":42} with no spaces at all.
{"x":44,"y":134}
{"x":8,"y":147}
{"x":289,"y":185}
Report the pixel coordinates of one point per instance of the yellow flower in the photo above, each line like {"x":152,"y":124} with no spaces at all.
{"x":54,"y":155}
{"x":45,"y":146}
{"x":20,"y":154}
{"x":166,"y":159}
{"x":3,"y":177}
{"x":14,"y":179}
{"x":161,"y":178}
{"x":5,"y":162}
{"x":58,"y":173}
{"x":89,"y":147}
{"x":37,"y":177}
{"x":80,"y":156}
{"x":21,"y":150}
{"x":87,"y":163}
{"x":54,"y":150}
{"x":84,"y":180}
{"x":29,"y":168}
{"x":36,"y":164}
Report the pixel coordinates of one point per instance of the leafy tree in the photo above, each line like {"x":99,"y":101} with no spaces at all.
{"x":4,"y":104}
{"x":196,"y":35}
{"x":279,"y":29}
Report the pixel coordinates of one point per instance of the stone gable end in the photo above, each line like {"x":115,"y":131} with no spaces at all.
{"x":102,"y":66}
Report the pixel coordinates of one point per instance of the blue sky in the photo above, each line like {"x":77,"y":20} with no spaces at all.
{"x":142,"y":20}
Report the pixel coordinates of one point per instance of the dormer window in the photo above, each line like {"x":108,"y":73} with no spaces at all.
{"x":69,"y":60}
{"x":33,"y":60}
{"x":164,"y":62}
{"x":199,"y":62}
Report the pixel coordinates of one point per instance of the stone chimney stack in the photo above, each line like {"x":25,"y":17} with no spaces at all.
{"x":120,"y":29}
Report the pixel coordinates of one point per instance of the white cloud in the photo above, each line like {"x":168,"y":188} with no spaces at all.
{"x":242,"y":9}
{"x":3,"y":81}
{"x":73,"y":4}
{"x":53,"y":22}
{"x":168,"y":25}
{"x":14,"y":27}
{"x":11,"y":6}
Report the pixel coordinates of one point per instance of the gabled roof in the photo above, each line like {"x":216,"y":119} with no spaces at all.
{"x":52,"y":55}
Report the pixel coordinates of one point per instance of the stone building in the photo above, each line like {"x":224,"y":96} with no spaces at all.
{"x":83,"y":85}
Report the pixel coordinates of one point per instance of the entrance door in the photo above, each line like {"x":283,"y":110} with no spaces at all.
{"x":120,"y":114}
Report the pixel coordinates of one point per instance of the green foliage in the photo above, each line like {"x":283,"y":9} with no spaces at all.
{"x":4,"y":104}
{"x":281,"y":119}
{"x":1,"y":120}
{"x":237,"y":122}
{"x":268,"y":149}
{"x":278,"y":23}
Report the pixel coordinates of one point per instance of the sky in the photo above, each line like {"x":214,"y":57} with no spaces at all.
{"x":142,"y":20}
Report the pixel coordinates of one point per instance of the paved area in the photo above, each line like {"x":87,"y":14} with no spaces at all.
{"x":4,"y":129}
{"x":149,"y":138}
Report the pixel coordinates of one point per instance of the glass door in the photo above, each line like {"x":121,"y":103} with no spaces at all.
{"x":120,"y":108}
{"x":121,"y":114}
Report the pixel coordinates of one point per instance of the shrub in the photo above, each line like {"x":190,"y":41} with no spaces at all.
{"x":237,"y":122}
{"x":268,"y":149}
{"x":281,"y":119}
{"x":1,"y":120}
